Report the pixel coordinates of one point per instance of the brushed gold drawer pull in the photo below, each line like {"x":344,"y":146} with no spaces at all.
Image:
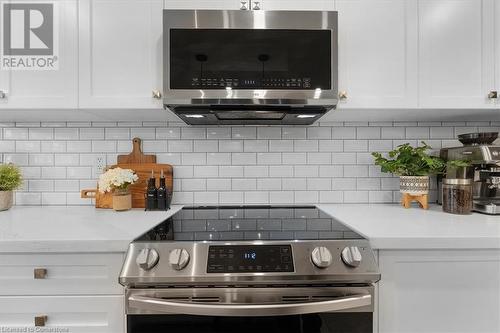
{"x":40,"y":320}
{"x":40,"y":273}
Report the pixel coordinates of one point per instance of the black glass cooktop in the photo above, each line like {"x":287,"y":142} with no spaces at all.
{"x":230,"y":223}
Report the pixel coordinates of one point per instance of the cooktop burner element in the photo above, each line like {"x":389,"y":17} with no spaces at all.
{"x":248,"y":245}
{"x":232,"y":223}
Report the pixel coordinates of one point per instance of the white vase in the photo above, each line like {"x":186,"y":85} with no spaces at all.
{"x":6,"y":199}
{"x":414,"y":185}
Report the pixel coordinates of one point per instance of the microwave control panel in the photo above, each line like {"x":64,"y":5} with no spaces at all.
{"x":266,"y":83}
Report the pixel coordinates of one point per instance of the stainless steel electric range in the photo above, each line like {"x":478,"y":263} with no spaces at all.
{"x":250,"y":269}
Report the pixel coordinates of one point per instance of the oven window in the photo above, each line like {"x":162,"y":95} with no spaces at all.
{"x":250,"y":59}
{"x":356,"y":322}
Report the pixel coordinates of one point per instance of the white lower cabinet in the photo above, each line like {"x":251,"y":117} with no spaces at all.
{"x":439,"y":291}
{"x":73,"y":292}
{"x":93,"y":314}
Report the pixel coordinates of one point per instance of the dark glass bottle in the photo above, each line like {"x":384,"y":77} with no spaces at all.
{"x":151,"y":193}
{"x":162,"y":193}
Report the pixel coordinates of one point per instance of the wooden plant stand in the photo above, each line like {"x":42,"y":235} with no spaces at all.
{"x":422,"y":199}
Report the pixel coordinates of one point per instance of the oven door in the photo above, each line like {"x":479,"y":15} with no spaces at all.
{"x":283,"y":309}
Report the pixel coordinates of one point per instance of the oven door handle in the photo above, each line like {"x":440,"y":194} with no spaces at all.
{"x":248,"y":310}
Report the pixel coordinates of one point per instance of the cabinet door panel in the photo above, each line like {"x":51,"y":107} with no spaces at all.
{"x":48,"y":88}
{"x":297,"y":5}
{"x":456,"y":53}
{"x":75,"y":314}
{"x":377,"y":53}
{"x":439,"y":291}
{"x":202,"y":4}
{"x":120,"y":53}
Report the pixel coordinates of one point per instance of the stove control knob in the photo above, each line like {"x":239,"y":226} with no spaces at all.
{"x":179,"y":258}
{"x":321,"y":257}
{"x":147,"y":259}
{"x":351,"y":256}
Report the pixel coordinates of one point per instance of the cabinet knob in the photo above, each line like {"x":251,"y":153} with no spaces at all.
{"x":343,"y":95}
{"x":40,"y":320}
{"x":3,"y":94}
{"x":156,"y":94}
{"x":244,"y":5}
{"x":256,"y":5}
{"x":493,"y":94}
{"x":40,"y":273}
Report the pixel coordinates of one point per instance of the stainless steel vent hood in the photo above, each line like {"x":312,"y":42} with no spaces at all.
{"x":229,"y":67}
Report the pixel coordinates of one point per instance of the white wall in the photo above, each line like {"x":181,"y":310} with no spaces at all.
{"x":327,"y":162}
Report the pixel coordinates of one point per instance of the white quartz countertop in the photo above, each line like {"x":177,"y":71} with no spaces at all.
{"x":390,"y":226}
{"x":386,"y":226}
{"x":74,"y":228}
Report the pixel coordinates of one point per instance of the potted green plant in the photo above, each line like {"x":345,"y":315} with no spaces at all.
{"x":414,"y":165}
{"x":10,"y":180}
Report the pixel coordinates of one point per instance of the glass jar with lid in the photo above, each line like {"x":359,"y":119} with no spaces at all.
{"x":457,"y":196}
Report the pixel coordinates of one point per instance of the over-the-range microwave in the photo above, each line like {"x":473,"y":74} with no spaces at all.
{"x":226,"y":67}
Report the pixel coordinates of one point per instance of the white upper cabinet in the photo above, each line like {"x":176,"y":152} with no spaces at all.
{"x":456,"y":53}
{"x":377,"y":53}
{"x":296,"y":4}
{"x":203,"y":4}
{"x":497,"y":54}
{"x":53,"y":82}
{"x":120,"y":53}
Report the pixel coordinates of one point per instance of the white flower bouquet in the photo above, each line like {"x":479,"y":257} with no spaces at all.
{"x":116,"y":178}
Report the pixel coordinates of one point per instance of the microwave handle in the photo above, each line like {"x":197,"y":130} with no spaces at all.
{"x":248,"y":310}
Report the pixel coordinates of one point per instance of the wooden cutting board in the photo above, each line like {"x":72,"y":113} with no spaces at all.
{"x":136,"y":156}
{"x":138,"y":190}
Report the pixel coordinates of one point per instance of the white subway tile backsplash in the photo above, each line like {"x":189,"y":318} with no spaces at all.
{"x":256,"y":145}
{"x":417,"y":133}
{"x":41,"y":159}
{"x":305,"y":145}
{"x":368,"y":133}
{"x":200,"y":171}
{"x":53,"y":146}
{"x":28,"y":146}
{"x":319,"y":133}
{"x":355,"y":145}
{"x":281,"y":145}
{"x":145,"y":133}
{"x":7,"y":146}
{"x":230,"y":146}
{"x":193,"y":133}
{"x":269,"y":184}
{"x":268,"y":132}
{"x":176,"y":146}
{"x":343,"y":133}
{"x":15,"y":134}
{"x":66,"y":134}
{"x":54,"y":172}
{"x":206,"y":146}
{"x":269,"y":158}
{"x":244,"y":159}
{"x":294,"y":158}
{"x":168,"y":133}
{"x":293,"y":133}
{"x":41,"y":133}
{"x":326,"y":162}
{"x":244,"y":132}
{"x":218,"y":158}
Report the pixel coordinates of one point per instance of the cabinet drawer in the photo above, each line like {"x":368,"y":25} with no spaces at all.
{"x":60,"y":274}
{"x":96,"y":314}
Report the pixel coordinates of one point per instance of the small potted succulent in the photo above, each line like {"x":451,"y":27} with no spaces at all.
{"x":414,"y":165}
{"x":118,"y":180}
{"x":10,"y":179}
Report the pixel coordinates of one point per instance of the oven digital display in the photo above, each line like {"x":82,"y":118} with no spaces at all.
{"x":249,"y":258}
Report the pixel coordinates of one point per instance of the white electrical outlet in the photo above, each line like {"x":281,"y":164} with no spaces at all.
{"x":99,"y":165}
